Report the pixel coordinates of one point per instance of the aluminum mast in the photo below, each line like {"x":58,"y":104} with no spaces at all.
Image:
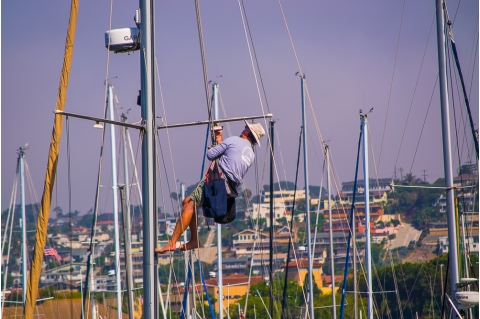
{"x":332,"y":261}
{"x":147,"y":54}
{"x":447,"y":149}
{"x":307,"y":201}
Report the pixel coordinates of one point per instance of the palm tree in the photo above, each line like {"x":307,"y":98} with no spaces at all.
{"x":408,"y":179}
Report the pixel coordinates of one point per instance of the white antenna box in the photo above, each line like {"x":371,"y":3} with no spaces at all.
{"x":122,"y":40}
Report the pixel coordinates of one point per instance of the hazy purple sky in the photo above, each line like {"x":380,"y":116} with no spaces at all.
{"x":347,"y":50}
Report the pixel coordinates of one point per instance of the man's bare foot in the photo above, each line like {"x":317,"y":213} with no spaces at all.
{"x":190,"y":245}
{"x":168,"y":247}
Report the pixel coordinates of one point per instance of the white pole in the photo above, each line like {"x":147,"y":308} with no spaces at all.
{"x":81,"y":293}
{"x":307,"y":201}
{"x":92,"y":295}
{"x":115,"y":203}
{"x":219,"y":228}
{"x":134,"y":168}
{"x":21,"y":155}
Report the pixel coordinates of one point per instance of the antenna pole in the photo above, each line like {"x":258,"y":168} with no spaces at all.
{"x":368,"y":251}
{"x":307,"y":202}
{"x":115,"y":204}
{"x":447,"y":150}
{"x":332,"y":261}
{"x":147,"y":54}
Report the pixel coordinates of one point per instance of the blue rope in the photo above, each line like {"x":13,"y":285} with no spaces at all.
{"x":352,"y":222}
{"x":206,"y":292}
{"x":185,"y":295}
{"x":198,"y":262}
{"x":205,"y":151}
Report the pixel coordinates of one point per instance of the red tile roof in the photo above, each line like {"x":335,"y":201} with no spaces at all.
{"x":302,"y":263}
{"x":234,"y":280}
{"x":339,"y":278}
{"x":105,"y":222}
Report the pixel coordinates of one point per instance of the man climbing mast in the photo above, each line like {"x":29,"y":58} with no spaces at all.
{"x":235,"y":155}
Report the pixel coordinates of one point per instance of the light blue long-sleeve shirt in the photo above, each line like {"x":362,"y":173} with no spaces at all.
{"x":236,"y":156}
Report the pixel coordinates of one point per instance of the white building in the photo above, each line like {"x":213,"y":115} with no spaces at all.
{"x":471,"y":241}
{"x":263,"y":211}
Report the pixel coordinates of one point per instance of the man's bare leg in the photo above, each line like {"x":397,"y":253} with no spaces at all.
{"x":193,"y":243}
{"x":186,"y":217}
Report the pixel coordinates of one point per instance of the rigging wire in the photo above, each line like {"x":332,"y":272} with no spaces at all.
{"x":423,"y":125}
{"x":86,"y":291}
{"x":283,"y":314}
{"x":250,"y":40}
{"x":391,"y":85}
{"x":344,"y":288}
{"x":204,"y":61}
{"x":254,"y":54}
{"x":474,"y":63}
{"x":164,"y":121}
{"x":459,"y":152}
{"x":383,"y":295}
{"x":243,"y":15}
{"x":474,"y":48}
{"x":411,"y":102}
{"x":11,"y":214}
{"x":452,"y":46}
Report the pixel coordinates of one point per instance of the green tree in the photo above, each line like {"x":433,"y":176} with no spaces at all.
{"x":466,"y":168}
{"x":247,"y":194}
{"x":282,"y":221}
{"x":58,"y":212}
{"x":85,"y":220}
{"x":321,"y":220}
{"x":408,"y":179}
{"x":314,"y":191}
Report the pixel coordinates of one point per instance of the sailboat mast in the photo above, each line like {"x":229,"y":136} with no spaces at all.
{"x":368,"y":250}
{"x":21,"y":156}
{"x":447,"y":148}
{"x":307,"y":201}
{"x":115,"y":203}
{"x":147,"y":40}
{"x":332,"y":261}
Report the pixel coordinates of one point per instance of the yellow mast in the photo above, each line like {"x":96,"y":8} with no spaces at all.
{"x":44,"y":214}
